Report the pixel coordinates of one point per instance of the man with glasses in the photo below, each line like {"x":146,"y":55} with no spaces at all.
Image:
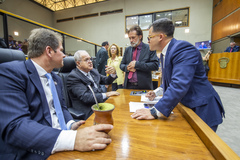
{"x":138,"y":62}
{"x":184,"y":78}
{"x":34,"y":120}
{"x":83,"y":76}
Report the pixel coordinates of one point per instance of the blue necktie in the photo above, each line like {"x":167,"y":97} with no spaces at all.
{"x":161,"y":57}
{"x":56,"y":102}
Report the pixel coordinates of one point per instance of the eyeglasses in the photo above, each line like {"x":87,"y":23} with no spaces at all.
{"x":149,"y":37}
{"x":87,"y":59}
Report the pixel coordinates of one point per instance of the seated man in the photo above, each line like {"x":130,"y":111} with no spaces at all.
{"x":34,"y":120}
{"x":80,"y":78}
{"x":232,"y":48}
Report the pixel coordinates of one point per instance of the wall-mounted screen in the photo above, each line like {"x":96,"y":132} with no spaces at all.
{"x":203,"y":45}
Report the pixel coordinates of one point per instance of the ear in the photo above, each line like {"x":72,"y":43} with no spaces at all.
{"x":48,"y":50}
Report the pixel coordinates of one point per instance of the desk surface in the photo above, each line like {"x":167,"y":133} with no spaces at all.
{"x":171,"y":138}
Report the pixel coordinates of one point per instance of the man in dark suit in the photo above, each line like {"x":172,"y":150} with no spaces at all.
{"x":80,"y":78}
{"x":138,"y":62}
{"x":29,"y":123}
{"x":232,"y":48}
{"x":184,"y":78}
{"x":101,"y":61}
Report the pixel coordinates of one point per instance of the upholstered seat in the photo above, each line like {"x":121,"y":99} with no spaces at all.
{"x":7,"y":55}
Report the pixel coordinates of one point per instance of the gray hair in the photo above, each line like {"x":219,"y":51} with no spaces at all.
{"x":164,"y":25}
{"x":78,"y":54}
{"x":39,"y":39}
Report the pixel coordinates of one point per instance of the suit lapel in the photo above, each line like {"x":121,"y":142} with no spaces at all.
{"x":34,"y":77}
{"x":142,"y":53}
{"x":167,"y":63}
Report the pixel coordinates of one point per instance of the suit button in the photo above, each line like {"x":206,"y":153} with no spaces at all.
{"x":42,"y":153}
{"x":31,"y":150}
{"x":35,"y":151}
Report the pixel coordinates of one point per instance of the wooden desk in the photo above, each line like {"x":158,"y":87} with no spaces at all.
{"x":230,"y":74}
{"x":172,"y":138}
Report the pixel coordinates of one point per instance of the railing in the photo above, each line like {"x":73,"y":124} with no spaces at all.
{"x":12,"y":22}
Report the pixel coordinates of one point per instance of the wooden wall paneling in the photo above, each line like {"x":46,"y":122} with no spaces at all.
{"x":226,"y":27}
{"x":224,"y":8}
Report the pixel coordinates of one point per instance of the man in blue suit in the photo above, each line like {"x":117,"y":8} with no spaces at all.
{"x":29,"y":126}
{"x":184,"y":78}
{"x":232,"y":48}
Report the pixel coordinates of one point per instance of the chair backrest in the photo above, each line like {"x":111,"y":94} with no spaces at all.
{"x":69,"y":65}
{"x":7,"y":55}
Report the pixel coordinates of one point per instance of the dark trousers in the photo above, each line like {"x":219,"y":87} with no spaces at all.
{"x":130,"y":86}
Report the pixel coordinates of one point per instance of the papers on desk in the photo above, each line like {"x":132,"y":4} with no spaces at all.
{"x":146,"y":103}
{"x":145,"y":99}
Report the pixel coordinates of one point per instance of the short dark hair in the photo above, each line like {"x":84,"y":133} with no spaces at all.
{"x":104,"y":43}
{"x":137,"y":29}
{"x":164,"y":25}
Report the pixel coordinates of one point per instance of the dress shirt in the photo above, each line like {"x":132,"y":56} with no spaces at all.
{"x":159,"y":91}
{"x":134,"y":76}
{"x":95,"y":85}
{"x":66,"y":138}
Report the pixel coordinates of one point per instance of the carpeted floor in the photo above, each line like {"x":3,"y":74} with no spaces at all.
{"x":229,"y":130}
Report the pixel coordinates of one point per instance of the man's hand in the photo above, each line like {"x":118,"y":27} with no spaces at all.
{"x":110,"y":70}
{"x":112,"y":93}
{"x":131,"y":66}
{"x":142,"y":114}
{"x":75,"y":125}
{"x":151,"y":95}
{"x":92,"y":138}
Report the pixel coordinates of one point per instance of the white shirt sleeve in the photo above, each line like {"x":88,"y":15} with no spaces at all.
{"x":66,"y":139}
{"x":158,"y":91}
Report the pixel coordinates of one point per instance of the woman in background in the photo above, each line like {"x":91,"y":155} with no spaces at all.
{"x":115,"y":61}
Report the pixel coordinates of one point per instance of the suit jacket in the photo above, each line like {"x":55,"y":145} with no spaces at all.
{"x":235,"y":49}
{"x":185,"y":81}
{"x":25,"y":121}
{"x":147,"y":62}
{"x":81,"y":96}
{"x":101,"y":60}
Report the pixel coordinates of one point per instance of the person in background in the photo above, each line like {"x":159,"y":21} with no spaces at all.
{"x":205,"y":62}
{"x":232,"y":48}
{"x":138,"y":62}
{"x":114,"y":60}
{"x":202,"y":46}
{"x":81,"y":77}
{"x":101,"y":61}
{"x":184,"y":78}
{"x":34,"y":120}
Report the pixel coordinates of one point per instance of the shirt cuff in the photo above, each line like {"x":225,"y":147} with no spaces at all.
{"x":158,"y":91}
{"x":113,"y":75}
{"x":69,"y":124}
{"x":104,"y":95}
{"x":65,"y":141}
{"x":159,"y":114}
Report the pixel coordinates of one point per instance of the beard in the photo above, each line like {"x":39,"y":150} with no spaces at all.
{"x":134,"y":44}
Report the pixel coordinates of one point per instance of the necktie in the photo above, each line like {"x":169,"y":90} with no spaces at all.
{"x":56,"y":102}
{"x":134,"y":58}
{"x":231,"y":50}
{"x":161,"y":57}
{"x":90,"y":77}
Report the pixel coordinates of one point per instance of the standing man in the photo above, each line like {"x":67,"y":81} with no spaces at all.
{"x":138,"y":62}
{"x":101,"y":61}
{"x":83,"y":75}
{"x":232,"y":48}
{"x":184,"y":78}
{"x":34,"y":120}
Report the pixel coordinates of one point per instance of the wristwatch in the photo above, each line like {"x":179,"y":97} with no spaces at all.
{"x":154,"y":113}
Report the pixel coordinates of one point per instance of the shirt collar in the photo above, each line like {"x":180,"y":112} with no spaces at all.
{"x":40,"y":70}
{"x":139,"y":47}
{"x":164,"y":51}
{"x":83,"y":72}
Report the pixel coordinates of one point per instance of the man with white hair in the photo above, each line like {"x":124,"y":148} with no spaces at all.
{"x":232,"y":48}
{"x":84,"y":75}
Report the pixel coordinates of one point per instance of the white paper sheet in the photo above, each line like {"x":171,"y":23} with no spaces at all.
{"x":145,"y":99}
